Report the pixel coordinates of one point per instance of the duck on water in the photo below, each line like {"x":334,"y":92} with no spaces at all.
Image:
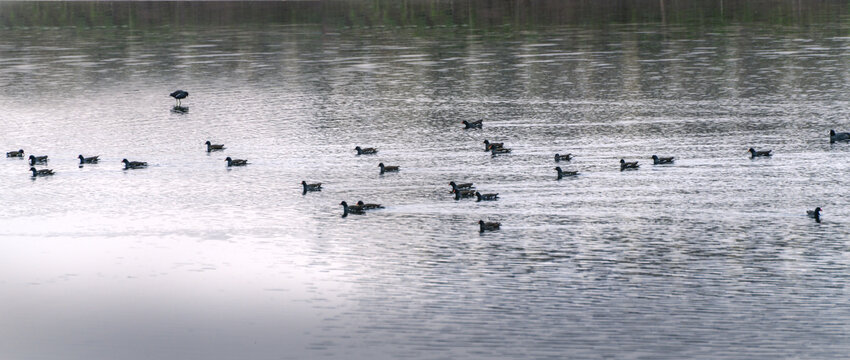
{"x":351,"y":209}
{"x":42,"y":172}
{"x":134,"y":164}
{"x":488,"y":226}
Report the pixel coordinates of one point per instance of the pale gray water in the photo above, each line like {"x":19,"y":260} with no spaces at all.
{"x":712,"y":257}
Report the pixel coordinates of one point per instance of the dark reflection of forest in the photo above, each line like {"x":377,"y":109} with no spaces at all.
{"x":482,"y":14}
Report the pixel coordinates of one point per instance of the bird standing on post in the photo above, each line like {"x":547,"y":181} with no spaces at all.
{"x":179,"y":94}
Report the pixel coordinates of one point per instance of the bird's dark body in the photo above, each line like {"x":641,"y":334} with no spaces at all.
{"x":365,"y":151}
{"x":759,"y":153}
{"x":38,"y":159}
{"x":351,"y":209}
{"x":473,"y":124}
{"x":488,"y":226}
{"x":661,"y":160}
{"x":462,"y":186}
{"x":562,"y":173}
{"x":42,"y":172}
{"x":134,"y":164}
{"x":236,"y":162}
{"x":386,"y":169}
{"x":842,"y":136}
{"x":489,"y":145}
{"x":559,"y":157}
{"x":486,"y":197}
{"x":366,"y":206}
{"x":462,"y":194}
{"x":214,"y":147}
{"x":88,"y":160}
{"x":628,"y":165}
{"x":311,"y":187}
{"x":179,"y":95}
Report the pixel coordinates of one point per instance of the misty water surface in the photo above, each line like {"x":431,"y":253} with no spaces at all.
{"x":711,"y":257}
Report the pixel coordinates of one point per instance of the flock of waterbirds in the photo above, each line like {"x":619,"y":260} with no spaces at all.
{"x":460,"y":190}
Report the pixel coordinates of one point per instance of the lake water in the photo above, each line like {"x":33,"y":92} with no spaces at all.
{"x":712,"y":257}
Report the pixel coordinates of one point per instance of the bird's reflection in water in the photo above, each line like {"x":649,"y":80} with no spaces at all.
{"x":180,"y":109}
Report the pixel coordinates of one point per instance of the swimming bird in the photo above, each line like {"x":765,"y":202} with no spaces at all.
{"x":368,"y":206}
{"x":754,"y":153}
{"x":311,"y":187}
{"x":38,"y":159}
{"x":88,"y":160}
{"x":559,"y":157}
{"x":179,"y":94}
{"x":488,"y":145}
{"x":214,"y":147}
{"x":385,"y":168}
{"x":353,"y":209}
{"x":462,"y":194}
{"x":366,"y":151}
{"x":19,"y":153}
{"x":486,"y":197}
{"x":661,"y":160}
{"x":815,"y":214}
{"x":236,"y":162}
{"x":842,"y":136}
{"x":628,"y":165}
{"x":562,"y":173}
{"x":488,"y":226}
{"x":499,"y":151}
{"x":472,"y":125}
{"x":461,"y":186}
{"x":42,"y":172}
{"x":134,"y":164}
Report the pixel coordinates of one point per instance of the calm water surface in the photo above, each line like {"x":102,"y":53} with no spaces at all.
{"x":712,"y":257}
